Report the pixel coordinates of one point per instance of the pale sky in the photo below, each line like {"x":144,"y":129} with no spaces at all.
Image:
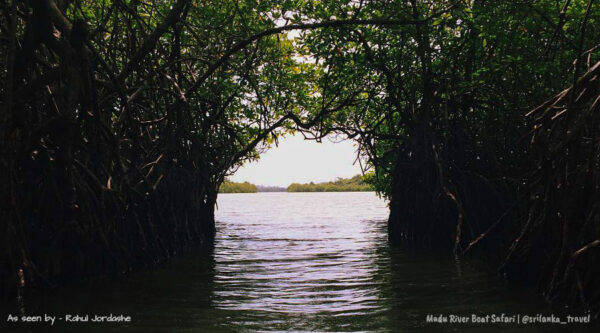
{"x":296,"y":160}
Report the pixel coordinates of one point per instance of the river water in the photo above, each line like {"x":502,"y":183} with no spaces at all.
{"x":295,"y":262}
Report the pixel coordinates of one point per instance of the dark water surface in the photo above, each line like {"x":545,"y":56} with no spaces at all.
{"x":294,"y":262}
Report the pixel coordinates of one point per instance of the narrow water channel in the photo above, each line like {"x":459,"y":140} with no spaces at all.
{"x":295,"y":262}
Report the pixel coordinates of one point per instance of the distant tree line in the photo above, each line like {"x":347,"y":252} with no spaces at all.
{"x":354,"y":184}
{"x":232,"y":187}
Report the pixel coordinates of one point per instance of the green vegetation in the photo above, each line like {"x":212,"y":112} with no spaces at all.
{"x":233,"y":187}
{"x":354,"y":184}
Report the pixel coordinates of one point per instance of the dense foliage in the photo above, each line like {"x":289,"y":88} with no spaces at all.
{"x":354,"y":184}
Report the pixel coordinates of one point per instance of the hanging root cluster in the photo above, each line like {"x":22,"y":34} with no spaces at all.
{"x":562,"y":231}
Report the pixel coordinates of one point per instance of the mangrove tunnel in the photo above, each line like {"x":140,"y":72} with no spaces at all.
{"x":478,"y":120}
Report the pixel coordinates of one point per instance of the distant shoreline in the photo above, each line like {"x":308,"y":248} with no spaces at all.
{"x":354,"y":184}
{"x":259,"y":192}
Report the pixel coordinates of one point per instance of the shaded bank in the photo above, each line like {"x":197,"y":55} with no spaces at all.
{"x":540,"y":228}
{"x":94,"y":180}
{"x":562,"y":228}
